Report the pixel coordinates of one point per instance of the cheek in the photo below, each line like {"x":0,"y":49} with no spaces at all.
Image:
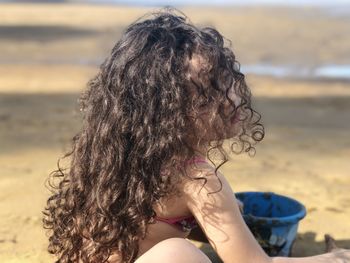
{"x":234,"y":119}
{"x":236,"y":99}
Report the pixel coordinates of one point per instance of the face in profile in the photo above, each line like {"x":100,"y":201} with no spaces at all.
{"x":217,"y":118}
{"x":220,"y":119}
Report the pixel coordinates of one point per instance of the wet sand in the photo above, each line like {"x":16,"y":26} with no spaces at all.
{"x":305,"y":153}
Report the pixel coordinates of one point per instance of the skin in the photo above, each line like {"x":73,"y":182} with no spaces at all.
{"x":218,"y":215}
{"x":221,"y":222}
{"x":163,"y":240}
{"x":161,"y":248}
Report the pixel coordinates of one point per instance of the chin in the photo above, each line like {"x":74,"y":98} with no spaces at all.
{"x":232,"y":131}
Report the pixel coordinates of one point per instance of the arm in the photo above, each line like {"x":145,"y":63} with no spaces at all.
{"x":219,"y":217}
{"x":339,"y":256}
{"x":197,"y":233}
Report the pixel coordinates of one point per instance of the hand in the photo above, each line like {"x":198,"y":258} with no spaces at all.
{"x":340,"y":255}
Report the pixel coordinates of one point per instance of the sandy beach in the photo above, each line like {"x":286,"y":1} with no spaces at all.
{"x":47,"y":59}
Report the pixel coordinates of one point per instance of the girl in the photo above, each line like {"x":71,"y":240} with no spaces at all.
{"x":143,"y":173}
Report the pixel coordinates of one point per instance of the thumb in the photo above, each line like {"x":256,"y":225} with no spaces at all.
{"x":240,"y":205}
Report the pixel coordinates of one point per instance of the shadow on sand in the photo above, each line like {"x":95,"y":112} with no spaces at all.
{"x":49,"y":120}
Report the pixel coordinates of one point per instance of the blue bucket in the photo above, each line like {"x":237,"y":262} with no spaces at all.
{"x":273,"y":219}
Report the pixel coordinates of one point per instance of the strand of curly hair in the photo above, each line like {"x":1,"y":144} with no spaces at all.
{"x":138,"y":112}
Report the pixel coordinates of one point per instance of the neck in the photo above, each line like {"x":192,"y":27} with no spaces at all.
{"x":201,"y":150}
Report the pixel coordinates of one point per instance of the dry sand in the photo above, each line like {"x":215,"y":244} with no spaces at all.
{"x":305,"y":153}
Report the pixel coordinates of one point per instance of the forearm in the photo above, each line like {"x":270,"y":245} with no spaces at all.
{"x":323,"y":258}
{"x":197,"y":233}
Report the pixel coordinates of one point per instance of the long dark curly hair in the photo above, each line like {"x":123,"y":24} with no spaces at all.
{"x":142,"y":117}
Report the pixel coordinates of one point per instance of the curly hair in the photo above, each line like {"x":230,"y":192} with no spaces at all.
{"x":142,"y":117}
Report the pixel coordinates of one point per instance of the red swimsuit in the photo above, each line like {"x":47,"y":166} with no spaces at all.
{"x":185,"y":223}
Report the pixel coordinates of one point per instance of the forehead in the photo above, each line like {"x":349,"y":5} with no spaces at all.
{"x":198,"y":72}
{"x":196,"y":64}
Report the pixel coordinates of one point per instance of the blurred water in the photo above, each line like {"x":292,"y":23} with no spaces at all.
{"x":339,"y":8}
{"x":331,"y":71}
{"x":327,"y":71}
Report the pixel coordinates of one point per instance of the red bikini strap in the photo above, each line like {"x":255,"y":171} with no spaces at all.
{"x":173,"y":219}
{"x":196,"y":159}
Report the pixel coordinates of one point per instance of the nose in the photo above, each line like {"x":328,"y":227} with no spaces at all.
{"x":234,"y":98}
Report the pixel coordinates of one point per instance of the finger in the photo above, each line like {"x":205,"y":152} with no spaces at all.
{"x":330,"y":243}
{"x":240,"y":205}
